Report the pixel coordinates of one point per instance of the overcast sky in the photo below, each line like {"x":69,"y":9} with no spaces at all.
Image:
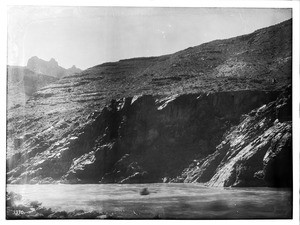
{"x":88,"y":36}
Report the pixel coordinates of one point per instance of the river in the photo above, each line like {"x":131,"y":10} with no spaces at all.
{"x":181,"y":201}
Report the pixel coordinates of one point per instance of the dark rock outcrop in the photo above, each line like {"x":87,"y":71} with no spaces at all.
{"x":257,"y":152}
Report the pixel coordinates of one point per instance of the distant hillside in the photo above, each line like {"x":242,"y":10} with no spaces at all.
{"x":50,"y":68}
{"x":22,"y":83}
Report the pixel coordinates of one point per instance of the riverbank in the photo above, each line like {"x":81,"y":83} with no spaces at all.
{"x":17,"y":208}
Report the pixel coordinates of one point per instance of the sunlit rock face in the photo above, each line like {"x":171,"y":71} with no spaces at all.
{"x":183,"y":117}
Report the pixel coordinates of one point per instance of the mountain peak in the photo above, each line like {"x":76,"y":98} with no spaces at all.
{"x":50,"y":67}
{"x":73,"y":70}
{"x":53,"y":62}
{"x":34,"y":57}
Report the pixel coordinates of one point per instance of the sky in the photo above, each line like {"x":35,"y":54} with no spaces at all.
{"x":89,"y":36}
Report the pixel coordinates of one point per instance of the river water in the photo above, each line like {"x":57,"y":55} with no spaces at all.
{"x":182,"y":201}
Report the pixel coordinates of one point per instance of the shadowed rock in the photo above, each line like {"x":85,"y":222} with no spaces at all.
{"x":257,"y":152}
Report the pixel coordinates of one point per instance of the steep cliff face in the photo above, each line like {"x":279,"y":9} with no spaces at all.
{"x":140,"y":139}
{"x":257,"y":152}
{"x":148,"y":119}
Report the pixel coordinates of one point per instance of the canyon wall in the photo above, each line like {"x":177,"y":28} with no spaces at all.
{"x":218,"y":113}
{"x":140,"y":139}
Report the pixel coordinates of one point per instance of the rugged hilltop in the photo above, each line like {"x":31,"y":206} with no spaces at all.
{"x":218,"y":113}
{"x":50,"y":67}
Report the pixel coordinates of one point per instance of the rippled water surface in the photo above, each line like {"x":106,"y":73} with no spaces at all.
{"x":164,"y":201}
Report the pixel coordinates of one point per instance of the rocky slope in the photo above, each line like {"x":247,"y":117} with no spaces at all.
{"x":148,"y":119}
{"x":50,"y":68}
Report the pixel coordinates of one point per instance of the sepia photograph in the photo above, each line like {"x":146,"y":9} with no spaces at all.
{"x":143,"y":112}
